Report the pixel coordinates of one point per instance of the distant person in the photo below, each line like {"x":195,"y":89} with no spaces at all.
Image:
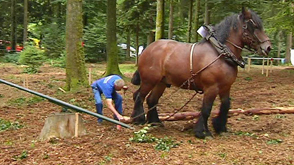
{"x":108,"y":86}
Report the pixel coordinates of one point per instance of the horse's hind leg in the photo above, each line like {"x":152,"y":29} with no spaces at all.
{"x":152,"y":101}
{"x":201,"y":128}
{"x":139,"y":96}
{"x":219,"y":123}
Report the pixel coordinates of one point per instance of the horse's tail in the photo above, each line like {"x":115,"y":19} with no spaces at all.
{"x":136,"y":80}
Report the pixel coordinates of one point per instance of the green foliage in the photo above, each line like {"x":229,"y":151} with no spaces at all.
{"x":5,"y":125}
{"x":222,"y":155}
{"x":142,"y":137}
{"x":17,"y":102}
{"x":54,"y":40}
{"x":163,"y":144}
{"x":23,"y":155}
{"x":108,"y":158}
{"x":33,"y":57}
{"x":274,"y":141}
{"x":248,"y":78}
{"x":127,"y":68}
{"x":255,"y":117}
{"x":47,"y":22}
{"x":279,"y":116}
{"x":25,"y":101}
{"x":241,"y":133}
{"x":95,"y":41}
{"x":60,"y":61}
{"x":34,"y":100}
{"x":11,"y":58}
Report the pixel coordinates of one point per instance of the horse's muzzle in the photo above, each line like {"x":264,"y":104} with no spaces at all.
{"x":265,"y":48}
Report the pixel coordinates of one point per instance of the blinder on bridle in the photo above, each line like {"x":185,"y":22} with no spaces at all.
{"x":252,"y":38}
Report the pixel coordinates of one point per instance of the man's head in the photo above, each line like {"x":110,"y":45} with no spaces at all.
{"x":119,"y":84}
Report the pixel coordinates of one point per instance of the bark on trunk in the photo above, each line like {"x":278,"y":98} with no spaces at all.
{"x":159,"y":20}
{"x":111,"y":48}
{"x":75,"y":58}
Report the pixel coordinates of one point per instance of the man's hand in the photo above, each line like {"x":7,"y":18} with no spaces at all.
{"x":125,"y":88}
{"x":121,"y":118}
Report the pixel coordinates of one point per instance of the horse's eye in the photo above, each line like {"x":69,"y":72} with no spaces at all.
{"x":253,"y":23}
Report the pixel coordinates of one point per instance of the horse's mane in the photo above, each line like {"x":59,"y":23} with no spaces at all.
{"x":222,"y":30}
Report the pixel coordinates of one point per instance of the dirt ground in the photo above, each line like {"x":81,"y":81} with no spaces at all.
{"x":258,"y":139}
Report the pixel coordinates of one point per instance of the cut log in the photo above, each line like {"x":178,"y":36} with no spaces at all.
{"x":62,"y":125}
{"x":232,"y":112}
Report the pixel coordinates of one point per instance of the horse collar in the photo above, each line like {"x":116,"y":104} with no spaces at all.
{"x":221,"y":48}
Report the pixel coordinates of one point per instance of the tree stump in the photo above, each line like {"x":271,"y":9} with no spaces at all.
{"x":62,"y":125}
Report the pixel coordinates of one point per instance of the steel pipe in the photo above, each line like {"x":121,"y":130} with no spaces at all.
{"x":65,"y":104}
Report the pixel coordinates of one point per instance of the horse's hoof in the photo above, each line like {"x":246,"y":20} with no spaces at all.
{"x":203,"y":135}
{"x":216,"y":125}
{"x":157,"y":124}
{"x":139,"y":122}
{"x":208,"y":133}
{"x":200,"y":135}
{"x":225,"y":134}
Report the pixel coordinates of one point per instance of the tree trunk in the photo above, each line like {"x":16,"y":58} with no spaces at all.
{"x":137,"y":44}
{"x":151,"y":37}
{"x":190,"y":20}
{"x":111,"y":47}
{"x":207,"y":13}
{"x":289,"y":46}
{"x":279,"y":38}
{"x":128,"y":52}
{"x":159,"y":20}
{"x":13,"y":25}
{"x":196,"y":26}
{"x":171,"y":20}
{"x":75,"y":58}
{"x":25,"y":22}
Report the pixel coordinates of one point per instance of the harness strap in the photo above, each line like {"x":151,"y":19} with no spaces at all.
{"x":191,"y":57}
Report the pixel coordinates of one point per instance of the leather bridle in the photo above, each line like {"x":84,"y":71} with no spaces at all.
{"x":250,"y":38}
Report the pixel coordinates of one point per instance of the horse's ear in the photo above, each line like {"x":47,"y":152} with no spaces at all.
{"x":246,"y":14}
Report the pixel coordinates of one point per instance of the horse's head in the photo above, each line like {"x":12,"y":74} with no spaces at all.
{"x":253,"y":34}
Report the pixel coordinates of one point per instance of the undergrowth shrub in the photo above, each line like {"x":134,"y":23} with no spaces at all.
{"x":10,"y":58}
{"x":33,"y":58}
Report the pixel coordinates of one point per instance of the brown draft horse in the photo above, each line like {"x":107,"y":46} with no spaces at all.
{"x":166,"y":62}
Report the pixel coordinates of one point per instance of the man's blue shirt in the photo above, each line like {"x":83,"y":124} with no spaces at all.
{"x":106,"y":85}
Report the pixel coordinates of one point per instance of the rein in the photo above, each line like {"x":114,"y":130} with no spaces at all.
{"x":235,"y":45}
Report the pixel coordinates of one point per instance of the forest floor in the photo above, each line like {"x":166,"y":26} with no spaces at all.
{"x":255,"y":139}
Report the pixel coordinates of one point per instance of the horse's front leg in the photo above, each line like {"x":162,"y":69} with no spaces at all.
{"x":201,"y":128}
{"x":138,"y":114}
{"x":152,"y":101}
{"x":219,"y":123}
